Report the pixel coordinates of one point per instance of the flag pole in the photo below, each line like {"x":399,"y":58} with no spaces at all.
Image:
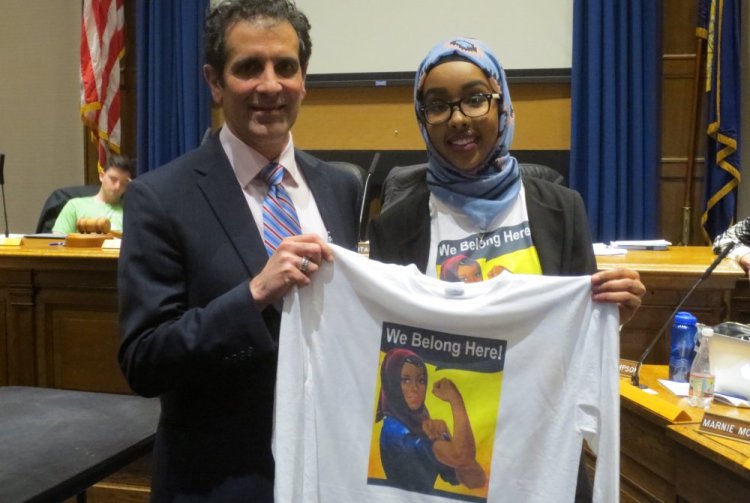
{"x":695,"y":112}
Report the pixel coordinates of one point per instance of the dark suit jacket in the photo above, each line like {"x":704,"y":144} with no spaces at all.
{"x":190,"y":331}
{"x":559,"y":229}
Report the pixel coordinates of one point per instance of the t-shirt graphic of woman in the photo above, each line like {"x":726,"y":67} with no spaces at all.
{"x":415,"y":448}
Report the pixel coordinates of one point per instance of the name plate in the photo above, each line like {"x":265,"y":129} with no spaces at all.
{"x":11,"y":241}
{"x":627,"y":367}
{"x":728,"y":427}
{"x":363,"y":248}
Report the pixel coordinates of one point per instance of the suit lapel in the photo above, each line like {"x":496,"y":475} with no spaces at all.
{"x":415,"y":242}
{"x":218,"y":183}
{"x":547,"y":224}
{"x":321,"y":187}
{"x":408,"y":240}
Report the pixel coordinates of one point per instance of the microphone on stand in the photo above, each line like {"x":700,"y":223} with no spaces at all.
{"x":2,"y":187}
{"x":363,"y":228}
{"x":635,"y":379}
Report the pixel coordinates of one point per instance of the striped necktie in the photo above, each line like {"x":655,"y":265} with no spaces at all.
{"x":279,"y":216}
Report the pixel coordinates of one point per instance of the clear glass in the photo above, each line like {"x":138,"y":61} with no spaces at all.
{"x":439,"y":111}
{"x":701,"y":391}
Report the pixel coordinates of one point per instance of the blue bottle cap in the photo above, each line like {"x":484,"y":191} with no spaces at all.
{"x":685,"y":318}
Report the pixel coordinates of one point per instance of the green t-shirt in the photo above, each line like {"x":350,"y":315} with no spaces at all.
{"x":87,"y":207}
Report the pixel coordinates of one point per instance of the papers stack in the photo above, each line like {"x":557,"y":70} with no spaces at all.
{"x":648,"y":244}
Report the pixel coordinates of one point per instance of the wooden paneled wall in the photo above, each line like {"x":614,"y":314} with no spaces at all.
{"x":359,"y":118}
{"x":366,"y":118}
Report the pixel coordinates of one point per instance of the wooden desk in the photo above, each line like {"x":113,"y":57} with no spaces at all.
{"x":58,"y":310}
{"x":668,"y":275}
{"x":58,"y":318}
{"x":663,"y":461}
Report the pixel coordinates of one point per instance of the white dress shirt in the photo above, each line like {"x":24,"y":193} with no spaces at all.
{"x":247,"y":163}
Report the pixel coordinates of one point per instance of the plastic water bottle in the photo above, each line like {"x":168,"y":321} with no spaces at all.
{"x":701,"y":391}
{"x":681,"y":343}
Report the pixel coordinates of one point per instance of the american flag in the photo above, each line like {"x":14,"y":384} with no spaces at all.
{"x":102,"y":48}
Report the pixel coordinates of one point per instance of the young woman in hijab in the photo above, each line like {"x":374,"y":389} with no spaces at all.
{"x":474,"y":186}
{"x":414,"y":448}
{"x":474,"y":197}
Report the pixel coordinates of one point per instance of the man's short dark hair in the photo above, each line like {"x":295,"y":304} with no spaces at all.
{"x":121,"y":162}
{"x":228,"y":12}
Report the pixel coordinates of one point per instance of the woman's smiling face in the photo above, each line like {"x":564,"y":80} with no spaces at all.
{"x":464,"y":142}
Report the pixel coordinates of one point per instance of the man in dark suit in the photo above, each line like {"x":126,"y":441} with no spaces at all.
{"x":199,"y":293}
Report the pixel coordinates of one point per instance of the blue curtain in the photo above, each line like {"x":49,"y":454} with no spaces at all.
{"x":174,"y":103}
{"x":615,"y":92}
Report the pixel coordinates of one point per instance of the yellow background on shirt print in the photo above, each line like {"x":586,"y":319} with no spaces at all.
{"x":481,"y":393}
{"x":524,"y":261}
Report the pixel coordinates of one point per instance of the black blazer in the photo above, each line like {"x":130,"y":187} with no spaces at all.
{"x":190,"y":331}
{"x":559,"y":229}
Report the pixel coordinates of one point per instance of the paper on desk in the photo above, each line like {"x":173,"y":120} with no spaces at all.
{"x":602,"y":250}
{"x":645,"y":244}
{"x":682,"y":388}
{"x":112,"y":244}
{"x":677,"y":388}
{"x":732,"y":400}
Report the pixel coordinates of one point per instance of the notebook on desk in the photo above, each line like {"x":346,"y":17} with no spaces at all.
{"x":42,"y":240}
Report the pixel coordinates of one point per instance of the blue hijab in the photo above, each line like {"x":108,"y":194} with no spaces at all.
{"x":484,"y":193}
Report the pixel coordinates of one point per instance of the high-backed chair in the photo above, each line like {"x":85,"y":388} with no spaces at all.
{"x":402,"y":180}
{"x":541,"y":171}
{"x":356,"y":169}
{"x":55,"y":202}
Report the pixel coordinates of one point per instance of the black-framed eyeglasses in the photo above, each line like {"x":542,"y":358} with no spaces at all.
{"x":473,"y":106}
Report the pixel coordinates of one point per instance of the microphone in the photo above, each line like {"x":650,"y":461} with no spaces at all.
{"x":2,"y":187}
{"x":635,"y":379}
{"x":373,"y":165}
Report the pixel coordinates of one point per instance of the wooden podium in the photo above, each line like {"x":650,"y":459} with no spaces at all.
{"x":58,"y":318}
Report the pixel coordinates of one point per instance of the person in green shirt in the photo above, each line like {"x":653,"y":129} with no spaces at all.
{"x":106,"y":203}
